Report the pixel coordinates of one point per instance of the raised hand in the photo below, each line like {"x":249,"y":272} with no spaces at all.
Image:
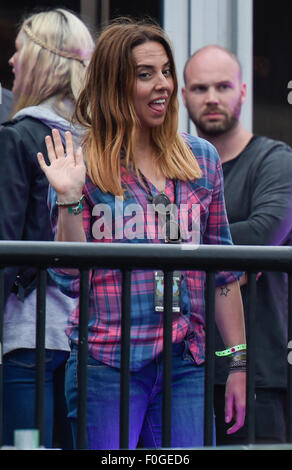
{"x":66,"y":173}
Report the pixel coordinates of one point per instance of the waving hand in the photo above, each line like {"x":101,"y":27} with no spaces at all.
{"x":66,"y":172}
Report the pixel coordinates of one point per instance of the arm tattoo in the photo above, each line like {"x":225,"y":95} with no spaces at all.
{"x":224,"y":290}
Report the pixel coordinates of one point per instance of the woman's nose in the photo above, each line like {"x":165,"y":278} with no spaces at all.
{"x":164,"y":82}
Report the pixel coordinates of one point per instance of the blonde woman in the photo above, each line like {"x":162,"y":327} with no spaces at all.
{"x":135,"y":161}
{"x":52,"y":52}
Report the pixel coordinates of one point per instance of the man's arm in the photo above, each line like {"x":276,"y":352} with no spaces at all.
{"x":270,"y":196}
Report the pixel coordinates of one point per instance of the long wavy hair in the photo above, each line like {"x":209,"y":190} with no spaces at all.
{"x":55,"y":50}
{"x":105,"y":107}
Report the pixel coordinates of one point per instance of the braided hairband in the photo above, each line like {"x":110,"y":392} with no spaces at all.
{"x":42,"y":44}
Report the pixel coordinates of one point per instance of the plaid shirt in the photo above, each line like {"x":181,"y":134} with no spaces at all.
{"x":105,"y":284}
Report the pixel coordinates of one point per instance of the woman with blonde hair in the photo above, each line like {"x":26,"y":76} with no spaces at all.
{"x":53,"y":49}
{"x":132,"y":186}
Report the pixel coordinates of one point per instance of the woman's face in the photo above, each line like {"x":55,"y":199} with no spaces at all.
{"x":154,"y":84}
{"x":14,"y":62}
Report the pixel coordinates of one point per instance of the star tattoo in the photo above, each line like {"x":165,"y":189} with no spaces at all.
{"x":224,"y":291}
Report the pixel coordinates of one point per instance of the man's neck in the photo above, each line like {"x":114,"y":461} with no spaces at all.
{"x":231,"y":143}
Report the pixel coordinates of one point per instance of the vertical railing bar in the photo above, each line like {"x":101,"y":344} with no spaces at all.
{"x":289,"y":362}
{"x":125,"y":359}
{"x":81,"y":443}
{"x":251,"y":355}
{"x":40,"y":354}
{"x":167,"y":359}
{"x":210,"y":358}
{"x":1,"y":351}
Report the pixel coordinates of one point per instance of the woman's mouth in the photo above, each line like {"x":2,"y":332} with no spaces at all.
{"x":158,"y":105}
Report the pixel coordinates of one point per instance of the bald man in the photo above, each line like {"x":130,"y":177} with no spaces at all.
{"x":258,"y":194}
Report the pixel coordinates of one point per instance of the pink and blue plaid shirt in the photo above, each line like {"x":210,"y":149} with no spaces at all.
{"x":104,"y":328}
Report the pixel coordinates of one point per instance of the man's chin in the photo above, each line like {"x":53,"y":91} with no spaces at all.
{"x":211,"y":130}
{"x":215,"y":129}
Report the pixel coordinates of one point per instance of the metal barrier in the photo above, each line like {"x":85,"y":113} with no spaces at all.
{"x":126,"y":257}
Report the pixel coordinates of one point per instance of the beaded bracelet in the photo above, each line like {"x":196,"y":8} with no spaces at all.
{"x":240,"y":356}
{"x":74,"y":207}
{"x":70,"y":204}
{"x":237,"y":366}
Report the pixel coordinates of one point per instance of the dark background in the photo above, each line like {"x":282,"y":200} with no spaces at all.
{"x":272,"y":68}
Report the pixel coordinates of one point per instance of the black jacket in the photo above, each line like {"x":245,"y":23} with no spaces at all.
{"x":5,"y":104}
{"x":24,"y":214}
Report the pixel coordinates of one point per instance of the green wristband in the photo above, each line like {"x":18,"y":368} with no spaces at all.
{"x":230,"y":351}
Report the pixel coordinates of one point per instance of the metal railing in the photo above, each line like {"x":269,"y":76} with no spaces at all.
{"x":168,"y":258}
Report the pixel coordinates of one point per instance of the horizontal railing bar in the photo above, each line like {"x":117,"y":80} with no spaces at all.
{"x":137,"y":255}
{"x":126,"y":257}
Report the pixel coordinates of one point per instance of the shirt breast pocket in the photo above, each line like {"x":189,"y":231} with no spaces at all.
{"x":194,"y":213}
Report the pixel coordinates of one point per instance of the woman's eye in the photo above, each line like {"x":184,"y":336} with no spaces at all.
{"x":144,"y":75}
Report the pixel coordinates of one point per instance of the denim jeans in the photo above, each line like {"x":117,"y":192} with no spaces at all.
{"x":19,"y":393}
{"x":145,"y":402}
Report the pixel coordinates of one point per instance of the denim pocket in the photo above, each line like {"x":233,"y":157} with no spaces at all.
{"x":21,"y":358}
{"x":26,"y":358}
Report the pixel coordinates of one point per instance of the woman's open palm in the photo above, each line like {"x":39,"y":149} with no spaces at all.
{"x":66,"y":172}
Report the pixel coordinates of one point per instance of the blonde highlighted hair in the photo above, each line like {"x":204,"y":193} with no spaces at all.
{"x":55,"y":49}
{"x":105,"y":107}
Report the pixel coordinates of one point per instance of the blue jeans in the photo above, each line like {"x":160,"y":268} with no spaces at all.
{"x":19,"y":392}
{"x":145,"y":402}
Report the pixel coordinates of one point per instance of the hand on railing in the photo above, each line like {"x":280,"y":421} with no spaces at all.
{"x":66,"y":172}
